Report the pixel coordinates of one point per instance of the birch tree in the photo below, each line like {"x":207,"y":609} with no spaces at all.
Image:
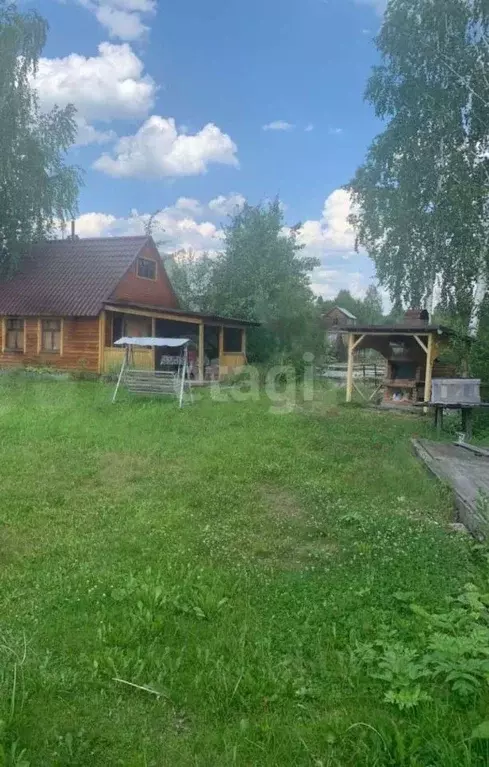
{"x":421,"y":196}
{"x":38,"y":191}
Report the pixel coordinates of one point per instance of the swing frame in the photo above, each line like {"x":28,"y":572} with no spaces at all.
{"x":182,"y":376}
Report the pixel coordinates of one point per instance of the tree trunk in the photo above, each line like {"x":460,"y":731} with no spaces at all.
{"x":479,"y":295}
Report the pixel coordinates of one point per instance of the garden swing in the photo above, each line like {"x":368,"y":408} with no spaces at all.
{"x":155,"y":382}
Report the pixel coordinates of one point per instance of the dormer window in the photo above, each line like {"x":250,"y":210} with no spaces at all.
{"x":146,"y":268}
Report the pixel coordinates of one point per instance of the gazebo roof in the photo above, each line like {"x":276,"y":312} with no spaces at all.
{"x":400,"y":329}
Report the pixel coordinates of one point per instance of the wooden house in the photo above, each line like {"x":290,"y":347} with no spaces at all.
{"x":72,"y":299}
{"x":338,"y":317}
{"x":334,"y":322}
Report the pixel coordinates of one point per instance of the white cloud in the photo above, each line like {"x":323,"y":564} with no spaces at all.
{"x":328,"y":282}
{"x":183,"y":226}
{"x":122,"y":18}
{"x":105,"y":87}
{"x":226,"y":206}
{"x":158,"y":150}
{"x":309,"y":128}
{"x":94,"y":224}
{"x":88,"y":134}
{"x":189,"y":204}
{"x":331,"y":239}
{"x":332,"y":233}
{"x":280,"y":125}
{"x":173,"y":228}
{"x":335,"y":131}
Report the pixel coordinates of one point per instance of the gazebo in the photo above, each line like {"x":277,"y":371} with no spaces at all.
{"x":412,"y":350}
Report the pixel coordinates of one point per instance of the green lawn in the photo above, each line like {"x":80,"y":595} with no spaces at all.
{"x":239,"y":567}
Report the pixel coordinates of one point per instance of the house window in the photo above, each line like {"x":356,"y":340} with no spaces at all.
{"x":232,"y":340}
{"x":14,"y":340}
{"x":51,"y":336}
{"x":146,"y":268}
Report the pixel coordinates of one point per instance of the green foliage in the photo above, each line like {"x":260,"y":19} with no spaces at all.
{"x":368,"y":310}
{"x":451,"y":650}
{"x":262,"y":276}
{"x":38,"y":191}
{"x":421,"y":194}
{"x":191,"y":275}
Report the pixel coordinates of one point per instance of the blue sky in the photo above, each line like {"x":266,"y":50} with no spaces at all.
{"x":190,"y":107}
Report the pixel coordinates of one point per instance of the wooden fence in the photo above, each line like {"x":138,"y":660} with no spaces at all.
{"x":363,"y":371}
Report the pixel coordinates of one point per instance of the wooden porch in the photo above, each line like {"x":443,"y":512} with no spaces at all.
{"x":217,"y":349}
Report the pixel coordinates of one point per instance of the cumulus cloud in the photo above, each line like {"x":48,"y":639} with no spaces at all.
{"x":189,"y":204}
{"x":94,"y":224}
{"x":158,"y":150}
{"x":111,"y":85}
{"x":332,"y":233}
{"x":88,"y":134}
{"x":309,"y":128}
{"x":185,"y":225}
{"x":331,"y":239}
{"x":279,"y":125}
{"x":226,"y":205}
{"x":174,"y":228}
{"x":122,"y":18}
{"x":328,"y":282}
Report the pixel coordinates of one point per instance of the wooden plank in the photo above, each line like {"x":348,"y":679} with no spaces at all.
{"x":429,"y":369}
{"x":349,"y":375}
{"x":465,"y":477}
{"x":201,"y":353}
{"x":420,"y":342}
{"x":358,"y":341}
{"x":150,"y":313}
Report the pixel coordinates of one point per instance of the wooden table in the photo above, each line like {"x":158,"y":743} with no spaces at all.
{"x":466,"y":408}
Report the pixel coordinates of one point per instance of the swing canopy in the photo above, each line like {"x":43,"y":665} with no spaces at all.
{"x":149,"y":341}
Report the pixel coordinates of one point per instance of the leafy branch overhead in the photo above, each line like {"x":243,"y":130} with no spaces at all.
{"x":38,"y":190}
{"x":421,"y":196}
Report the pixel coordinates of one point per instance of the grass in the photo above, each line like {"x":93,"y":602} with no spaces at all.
{"x":188,"y":587}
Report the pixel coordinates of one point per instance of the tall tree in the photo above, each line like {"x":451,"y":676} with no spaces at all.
{"x":371,"y":309}
{"x":421,"y":196}
{"x":38,"y":191}
{"x":191,"y":275}
{"x":262,"y":275}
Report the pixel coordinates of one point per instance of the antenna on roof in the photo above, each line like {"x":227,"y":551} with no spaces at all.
{"x":74,"y":236}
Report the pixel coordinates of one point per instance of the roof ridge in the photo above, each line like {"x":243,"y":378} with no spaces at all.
{"x":86,"y":239}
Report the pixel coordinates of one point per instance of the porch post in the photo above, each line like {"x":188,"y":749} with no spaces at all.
{"x":429,"y":368}
{"x":153,"y":334}
{"x":349,"y":375}
{"x":201,"y":352}
{"x":221,"y":350}
{"x":243,"y":342}
{"x":101,"y":342}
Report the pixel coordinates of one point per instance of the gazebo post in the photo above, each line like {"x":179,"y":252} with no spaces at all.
{"x":349,"y":375}
{"x":429,"y":369}
{"x":201,"y":352}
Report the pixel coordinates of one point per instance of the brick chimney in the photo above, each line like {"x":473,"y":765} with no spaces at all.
{"x":414,"y":317}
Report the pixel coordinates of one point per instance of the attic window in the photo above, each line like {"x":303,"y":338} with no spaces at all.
{"x":146,"y":269}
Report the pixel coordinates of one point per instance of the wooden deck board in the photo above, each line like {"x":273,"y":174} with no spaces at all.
{"x":467,"y":473}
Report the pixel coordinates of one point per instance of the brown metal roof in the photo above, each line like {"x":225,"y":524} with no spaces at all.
{"x":72,"y":278}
